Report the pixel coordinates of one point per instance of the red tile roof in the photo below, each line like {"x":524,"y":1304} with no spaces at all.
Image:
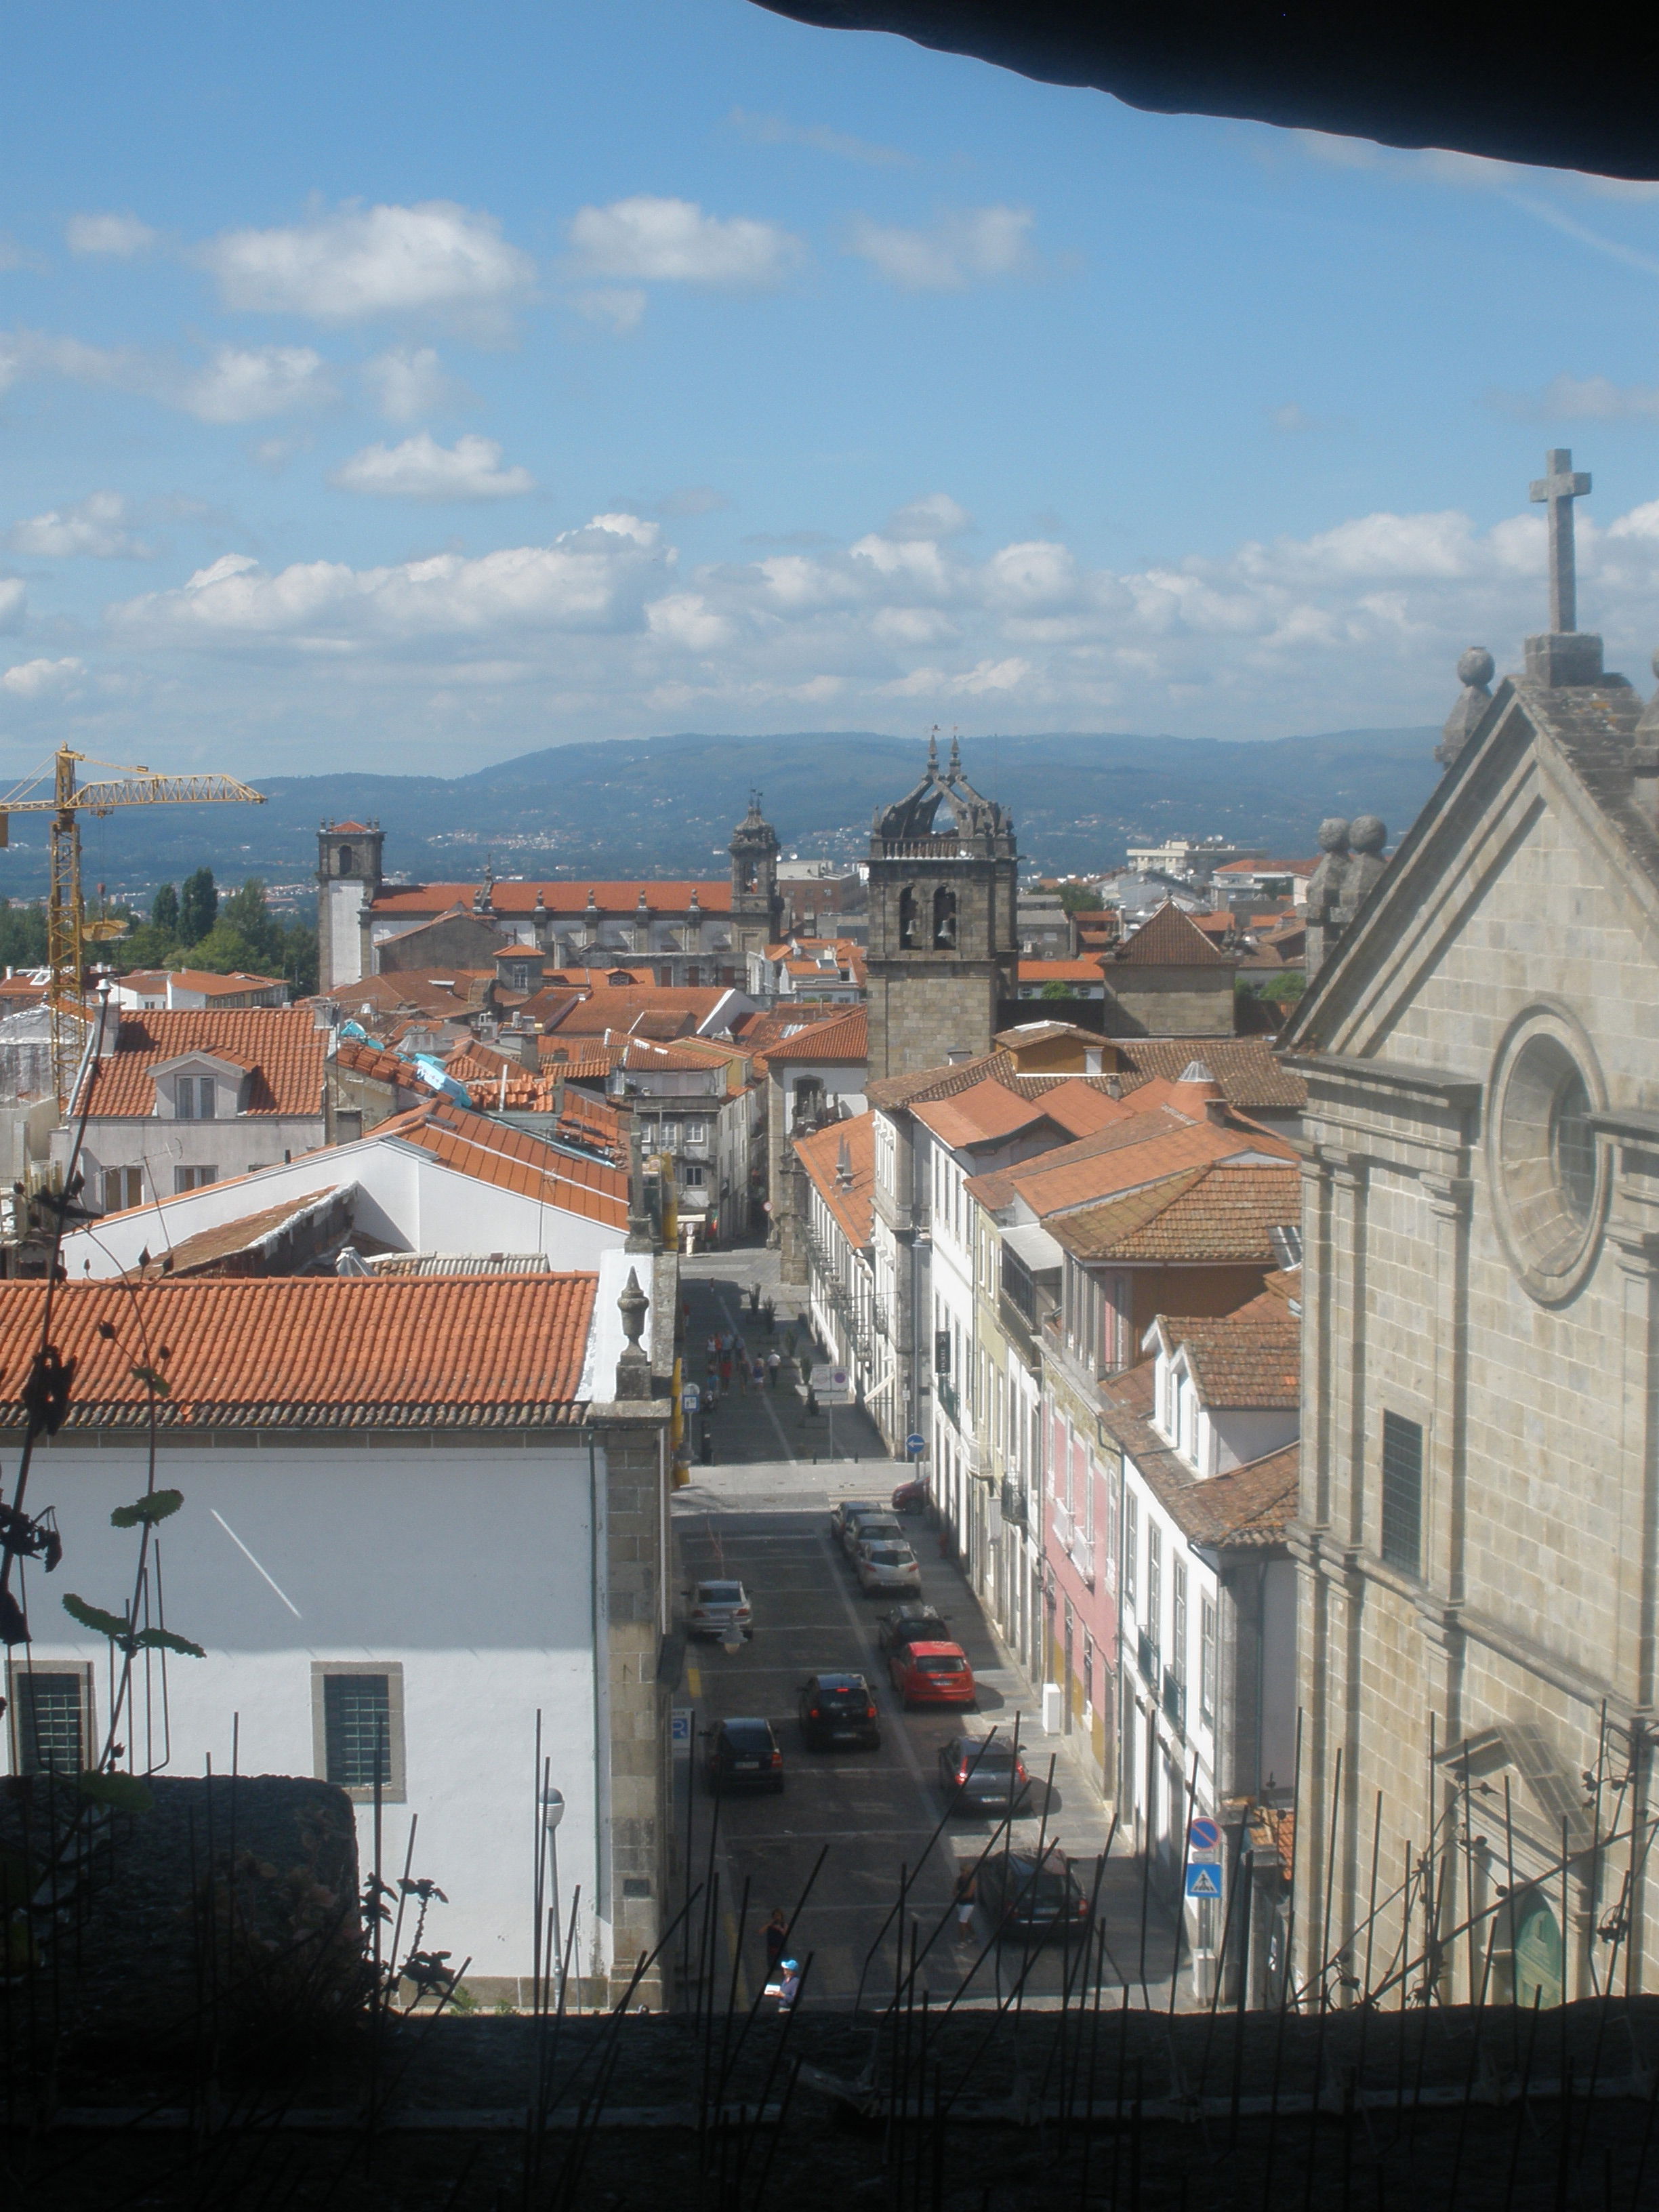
{"x":367,"y":1060}
{"x":1216,"y":1213}
{"x":1167,"y":938}
{"x":569,"y":898}
{"x":281,"y":1045}
{"x":847,"y":1039}
{"x":853,"y":1206}
{"x":198,"y":979}
{"x":1253,"y":1079}
{"x":1250,"y":1359}
{"x":1062,"y":971}
{"x":1126,"y":1156}
{"x":313,"y":1352}
{"x":474,"y":1144}
{"x":1249,"y":1508}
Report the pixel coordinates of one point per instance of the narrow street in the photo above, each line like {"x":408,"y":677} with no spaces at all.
{"x":760,"y":1513}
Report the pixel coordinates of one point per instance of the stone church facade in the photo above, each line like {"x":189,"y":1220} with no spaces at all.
{"x":943,"y":956}
{"x":1479,"y":1533}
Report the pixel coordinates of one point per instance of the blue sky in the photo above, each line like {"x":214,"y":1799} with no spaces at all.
{"x":408,"y":387}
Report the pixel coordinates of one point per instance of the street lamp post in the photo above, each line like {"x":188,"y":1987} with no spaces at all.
{"x":552,"y":1814}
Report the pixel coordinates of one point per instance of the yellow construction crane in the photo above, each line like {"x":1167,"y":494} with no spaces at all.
{"x":68,"y":929}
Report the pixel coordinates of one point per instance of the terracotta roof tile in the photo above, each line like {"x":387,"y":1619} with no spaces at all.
{"x":281,"y":1045}
{"x":1167,"y":938}
{"x":1215,"y":1213}
{"x":616,"y":900}
{"x":314,"y":1352}
{"x":820,"y":1155}
{"x":846,"y":1038}
{"x":474,"y":1144}
{"x":368,"y":1060}
{"x":894,"y":1091}
{"x":1082,"y":1168}
{"x":1252,"y":1076}
{"x":1062,"y":971}
{"x":1249,"y":1358}
{"x":1249,"y":1508}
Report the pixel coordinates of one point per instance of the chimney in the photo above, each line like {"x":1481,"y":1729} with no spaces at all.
{"x":843,"y":1167}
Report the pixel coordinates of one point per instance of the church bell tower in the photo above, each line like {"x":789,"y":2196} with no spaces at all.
{"x":944,"y":949}
{"x":757,"y":908}
{"x":348,"y":877}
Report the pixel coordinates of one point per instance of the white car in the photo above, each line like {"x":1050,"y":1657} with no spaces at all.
{"x":718,"y":1610}
{"x":871,"y":1524}
{"x":887,"y":1567}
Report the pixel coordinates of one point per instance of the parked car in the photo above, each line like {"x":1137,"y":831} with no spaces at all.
{"x":718,"y":1607}
{"x":934,"y":1674}
{"x":982,"y":1774}
{"x":910,"y":1496}
{"x":842,"y":1512}
{"x":1033,"y":1900}
{"x":742,"y":1754}
{"x":866,"y":1522}
{"x":887,"y":1567}
{"x":839,"y":1709}
{"x":915,"y":1622}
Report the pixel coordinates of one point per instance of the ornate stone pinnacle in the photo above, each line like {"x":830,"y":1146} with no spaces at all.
{"x":1476,"y":669}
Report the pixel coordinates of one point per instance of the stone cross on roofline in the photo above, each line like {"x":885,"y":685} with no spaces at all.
{"x":1564,"y":654}
{"x":1558,"y":490}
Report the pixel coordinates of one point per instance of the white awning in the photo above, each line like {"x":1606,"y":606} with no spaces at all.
{"x":1035,"y":1246}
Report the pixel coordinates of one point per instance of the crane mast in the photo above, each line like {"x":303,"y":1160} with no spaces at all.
{"x":67,"y":926}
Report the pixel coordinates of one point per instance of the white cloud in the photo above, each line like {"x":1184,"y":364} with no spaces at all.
{"x":435,"y":259}
{"x":594,"y":579}
{"x":246,"y":383}
{"x":409,"y":381}
{"x":970,"y":247}
{"x":1358,"y":623}
{"x":41,"y":679}
{"x":235,"y":383}
{"x":419,"y":468}
{"x":96,"y":527}
{"x":14,"y":603}
{"x":1582,"y":399}
{"x":122,"y":237}
{"x":778,"y":131}
{"x":648,"y":240}
{"x":934,"y":516}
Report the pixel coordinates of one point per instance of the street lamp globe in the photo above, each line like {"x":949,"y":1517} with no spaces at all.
{"x":552,"y":1807}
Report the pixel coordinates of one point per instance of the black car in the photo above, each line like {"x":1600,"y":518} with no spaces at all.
{"x":982,"y":1774}
{"x":913,"y":1622}
{"x":1033,"y":1901}
{"x":742,"y":1754}
{"x":839,"y":1709}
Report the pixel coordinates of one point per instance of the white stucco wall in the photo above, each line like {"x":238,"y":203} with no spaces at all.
{"x":406,"y":1199}
{"x":465,"y":1560}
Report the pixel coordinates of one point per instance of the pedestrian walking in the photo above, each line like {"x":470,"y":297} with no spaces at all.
{"x":760,"y":1374}
{"x":965,"y":1897}
{"x":788,"y":1985}
{"x":775,"y":1936}
{"x":725,"y":1370}
{"x":771,"y":1315}
{"x":772,"y":1364}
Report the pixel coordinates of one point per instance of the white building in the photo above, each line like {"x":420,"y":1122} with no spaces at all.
{"x":413,"y":1520}
{"x":437,"y":1179}
{"x":1206,"y":1429}
{"x":838,"y":1166}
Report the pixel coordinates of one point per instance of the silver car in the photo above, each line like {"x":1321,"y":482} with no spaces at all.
{"x":886,"y":1567}
{"x":719,"y":1610}
{"x":871,"y":1524}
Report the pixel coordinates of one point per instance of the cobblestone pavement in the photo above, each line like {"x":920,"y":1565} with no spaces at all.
{"x":759,"y":1511}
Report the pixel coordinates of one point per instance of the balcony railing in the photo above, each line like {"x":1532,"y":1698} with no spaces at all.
{"x":1013,"y":1502}
{"x":948,"y":1400}
{"x":1146,"y":1659}
{"x":1175,"y":1699}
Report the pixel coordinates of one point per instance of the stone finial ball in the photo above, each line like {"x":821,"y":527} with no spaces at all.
{"x":1368,"y":833}
{"x":1476,"y":667}
{"x":1333,"y":835}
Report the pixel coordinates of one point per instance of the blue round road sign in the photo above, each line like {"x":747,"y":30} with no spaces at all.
{"x":1204,"y":1836}
{"x":915,"y":1446}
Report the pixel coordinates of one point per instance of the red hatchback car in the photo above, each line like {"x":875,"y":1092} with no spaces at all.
{"x":934,"y":1674}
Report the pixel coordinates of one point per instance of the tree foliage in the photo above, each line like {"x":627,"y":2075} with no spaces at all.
{"x":198,"y":906}
{"x":236,"y":935}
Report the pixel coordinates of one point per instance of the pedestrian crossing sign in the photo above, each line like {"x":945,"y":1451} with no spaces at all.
{"x":1203,"y":1882}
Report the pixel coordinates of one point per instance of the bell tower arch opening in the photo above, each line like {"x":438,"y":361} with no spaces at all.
{"x":944,"y":951}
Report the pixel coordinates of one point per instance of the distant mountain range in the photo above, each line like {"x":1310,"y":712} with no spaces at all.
{"x":666,"y":805}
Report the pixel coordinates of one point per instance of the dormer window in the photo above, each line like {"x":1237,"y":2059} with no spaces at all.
{"x":195,"y":1098}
